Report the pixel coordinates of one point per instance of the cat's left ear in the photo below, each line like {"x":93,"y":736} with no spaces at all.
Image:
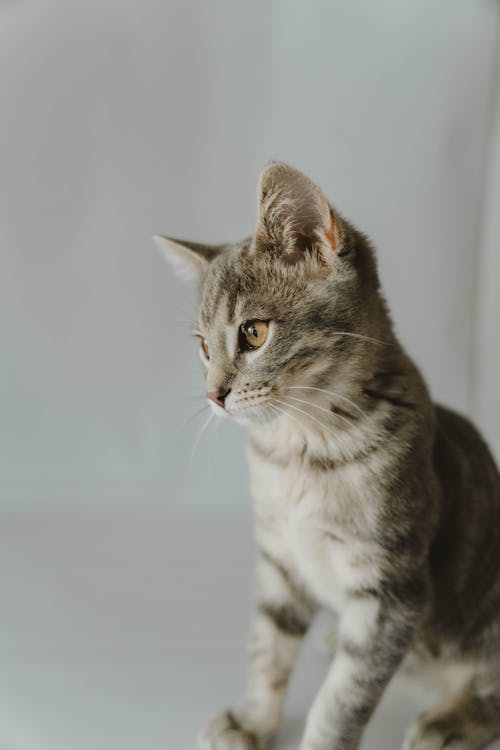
{"x":295,"y":219}
{"x":189,"y":259}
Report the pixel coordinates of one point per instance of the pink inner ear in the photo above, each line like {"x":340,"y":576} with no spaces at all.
{"x":331,"y":235}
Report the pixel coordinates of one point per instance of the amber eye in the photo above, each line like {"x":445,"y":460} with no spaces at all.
{"x":252,"y":334}
{"x":204,"y":346}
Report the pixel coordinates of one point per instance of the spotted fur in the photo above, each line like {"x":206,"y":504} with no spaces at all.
{"x":369,"y":499}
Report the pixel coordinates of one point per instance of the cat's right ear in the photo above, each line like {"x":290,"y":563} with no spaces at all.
{"x":295,"y":220}
{"x":189,"y":259}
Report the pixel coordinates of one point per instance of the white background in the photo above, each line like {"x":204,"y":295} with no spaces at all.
{"x":123,"y":119}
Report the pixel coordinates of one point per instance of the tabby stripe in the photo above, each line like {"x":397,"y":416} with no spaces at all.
{"x":394,"y":400}
{"x":334,"y":537}
{"x":323,"y":463}
{"x":355,"y":650}
{"x":364,"y":592}
{"x":407,"y":589}
{"x":343,"y":412}
{"x":306,"y":353}
{"x":285,"y":618}
{"x":268,"y":454}
{"x":357,"y":715}
{"x":235,"y":725}
{"x":386,"y":378}
{"x":294,"y":587}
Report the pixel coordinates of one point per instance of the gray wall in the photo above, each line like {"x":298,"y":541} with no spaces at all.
{"x":125,"y":118}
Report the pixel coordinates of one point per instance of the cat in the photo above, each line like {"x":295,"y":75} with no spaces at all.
{"x":369,"y":499}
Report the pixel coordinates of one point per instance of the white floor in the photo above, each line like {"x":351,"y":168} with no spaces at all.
{"x":125,"y":630}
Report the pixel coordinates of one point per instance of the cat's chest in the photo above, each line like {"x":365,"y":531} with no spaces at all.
{"x":320,"y":526}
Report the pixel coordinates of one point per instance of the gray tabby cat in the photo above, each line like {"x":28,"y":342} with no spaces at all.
{"x":370,"y":500}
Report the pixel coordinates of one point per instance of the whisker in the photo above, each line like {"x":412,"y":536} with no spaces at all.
{"x":350,"y":422}
{"x":338,"y":438}
{"x":301,"y":411}
{"x":329,"y":393}
{"x":197,"y":440}
{"x":268,"y":414}
{"x":292,"y":416}
{"x":199,"y":411}
{"x":276,"y":411}
{"x":287,"y":414}
{"x":321,"y":408}
{"x":296,"y":419}
{"x":360,"y":336}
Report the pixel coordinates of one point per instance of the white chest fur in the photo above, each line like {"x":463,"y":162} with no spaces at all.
{"x":320,"y":524}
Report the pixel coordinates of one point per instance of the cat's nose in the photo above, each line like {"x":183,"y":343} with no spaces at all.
{"x":219,"y":396}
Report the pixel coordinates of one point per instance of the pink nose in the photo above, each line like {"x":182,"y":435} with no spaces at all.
{"x":219,"y":396}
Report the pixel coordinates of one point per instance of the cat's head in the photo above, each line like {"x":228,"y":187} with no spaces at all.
{"x":285,"y":310}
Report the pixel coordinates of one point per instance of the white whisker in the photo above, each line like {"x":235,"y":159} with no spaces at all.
{"x":301,"y":411}
{"x":364,"y":428}
{"x":321,"y":408}
{"x":269,"y":415}
{"x":329,"y":393}
{"x":287,"y":414}
{"x":198,"y":438}
{"x":276,"y":411}
{"x":197,"y":413}
{"x":360,"y":336}
{"x":265,"y":414}
{"x":296,"y":419}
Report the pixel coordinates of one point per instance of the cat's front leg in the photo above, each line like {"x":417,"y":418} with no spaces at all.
{"x":374,"y":634}
{"x":282,"y":617}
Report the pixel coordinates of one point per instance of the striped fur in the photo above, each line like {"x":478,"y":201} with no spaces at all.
{"x":369,"y":499}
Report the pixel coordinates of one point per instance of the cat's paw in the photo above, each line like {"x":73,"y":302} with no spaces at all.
{"x":225,"y":732}
{"x":427,"y":734}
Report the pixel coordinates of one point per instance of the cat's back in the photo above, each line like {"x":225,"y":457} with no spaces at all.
{"x":465,"y":553}
{"x":462,"y":459}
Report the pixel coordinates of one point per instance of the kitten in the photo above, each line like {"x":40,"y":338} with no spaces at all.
{"x":369,"y":499}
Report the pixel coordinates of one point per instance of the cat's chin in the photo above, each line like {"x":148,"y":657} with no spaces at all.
{"x":252,"y":416}
{"x":246,"y":420}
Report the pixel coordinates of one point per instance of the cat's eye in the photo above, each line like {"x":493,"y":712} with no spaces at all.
{"x":204,"y":346}
{"x":252,"y":334}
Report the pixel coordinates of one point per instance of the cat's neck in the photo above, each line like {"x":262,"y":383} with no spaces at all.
{"x":342,"y":418}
